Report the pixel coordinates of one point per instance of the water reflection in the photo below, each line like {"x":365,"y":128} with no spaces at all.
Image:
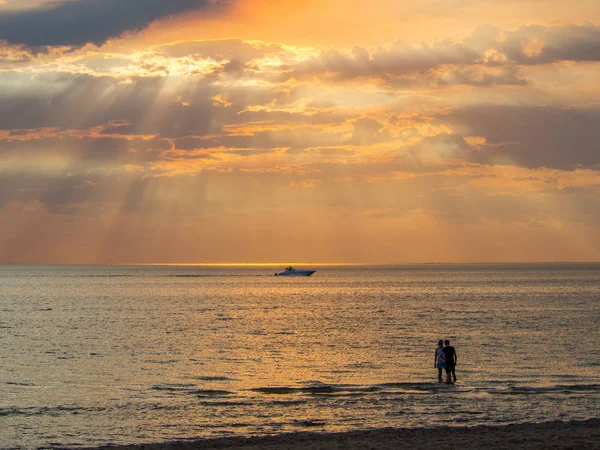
{"x":96,"y":354}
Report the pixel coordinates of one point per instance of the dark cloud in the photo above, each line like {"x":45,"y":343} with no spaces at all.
{"x":141,"y":105}
{"x":84,"y":153}
{"x":490,"y":56}
{"x":543,"y":45}
{"x":91,"y":170}
{"x":531,"y":136}
{"x":508,"y":76}
{"x":82,"y":102}
{"x":401,"y":58}
{"x":403,"y":65}
{"x":76,"y":23}
{"x":536,"y":44}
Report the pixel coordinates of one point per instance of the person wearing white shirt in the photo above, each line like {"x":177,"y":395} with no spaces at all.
{"x":439,"y":360}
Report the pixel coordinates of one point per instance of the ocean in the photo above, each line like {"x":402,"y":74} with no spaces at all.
{"x":93,"y":355}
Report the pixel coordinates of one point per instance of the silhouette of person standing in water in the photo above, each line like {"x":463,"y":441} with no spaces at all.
{"x":439,"y":360}
{"x":451,"y":359}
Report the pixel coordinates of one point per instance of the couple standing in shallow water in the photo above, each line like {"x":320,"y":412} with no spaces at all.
{"x":445,"y":359}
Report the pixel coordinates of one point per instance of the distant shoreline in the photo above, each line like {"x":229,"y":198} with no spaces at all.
{"x":579,"y":434}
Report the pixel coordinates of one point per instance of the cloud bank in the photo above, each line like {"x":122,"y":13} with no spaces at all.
{"x":493,"y":134}
{"x":76,"y":23}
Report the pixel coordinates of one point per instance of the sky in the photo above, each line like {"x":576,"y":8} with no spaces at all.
{"x":255,"y":131}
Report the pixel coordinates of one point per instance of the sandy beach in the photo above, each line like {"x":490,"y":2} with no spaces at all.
{"x":548,"y":435}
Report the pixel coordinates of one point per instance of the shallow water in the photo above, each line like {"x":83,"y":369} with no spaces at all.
{"x":130,"y":354}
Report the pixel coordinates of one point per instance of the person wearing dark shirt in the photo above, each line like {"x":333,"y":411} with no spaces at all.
{"x":451,"y":359}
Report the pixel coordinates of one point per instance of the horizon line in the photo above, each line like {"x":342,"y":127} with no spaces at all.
{"x":273,"y":264}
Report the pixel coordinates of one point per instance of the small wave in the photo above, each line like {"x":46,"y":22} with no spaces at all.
{"x":463,"y":420}
{"x":191,"y":389}
{"x":524,"y":390}
{"x":412,"y":386}
{"x":317,"y":389}
{"x":160,"y":361}
{"x":174,"y":387}
{"x":277,"y":390}
{"x":46,"y":410}
{"x":210,"y":392}
{"x":581,"y":387}
{"x":533,"y":390}
{"x":158,"y":407}
{"x":224,"y":403}
{"x":214,"y":378}
{"x":310,"y":423}
{"x":287,"y":402}
{"x":387,"y":389}
{"x":239,"y":425}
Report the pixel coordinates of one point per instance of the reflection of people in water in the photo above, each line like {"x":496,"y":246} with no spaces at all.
{"x":451,"y":359}
{"x":439,"y":360}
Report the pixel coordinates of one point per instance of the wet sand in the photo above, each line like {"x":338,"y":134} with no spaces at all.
{"x":549,"y":435}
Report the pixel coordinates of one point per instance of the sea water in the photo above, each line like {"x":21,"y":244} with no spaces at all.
{"x":94,"y":355}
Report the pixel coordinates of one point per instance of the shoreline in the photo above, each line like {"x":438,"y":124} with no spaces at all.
{"x":576,"y":434}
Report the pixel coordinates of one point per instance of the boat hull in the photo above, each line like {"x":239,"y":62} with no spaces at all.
{"x":296,"y":273}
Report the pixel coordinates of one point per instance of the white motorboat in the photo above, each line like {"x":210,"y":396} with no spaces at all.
{"x":291,"y":272}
